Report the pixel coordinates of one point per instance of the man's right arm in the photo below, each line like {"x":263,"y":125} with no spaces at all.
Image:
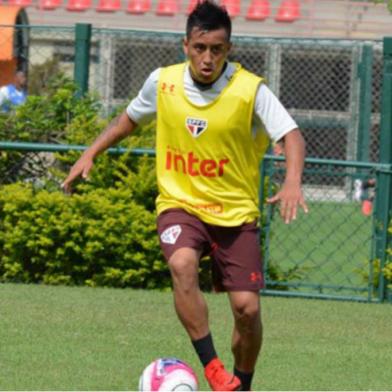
{"x":119,"y":128}
{"x":139,"y":111}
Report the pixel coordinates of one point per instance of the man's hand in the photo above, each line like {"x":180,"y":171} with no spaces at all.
{"x":81,"y":168}
{"x":289,"y":197}
{"x":120,"y":127}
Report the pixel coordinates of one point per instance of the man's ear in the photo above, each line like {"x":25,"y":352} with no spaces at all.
{"x":185,"y":45}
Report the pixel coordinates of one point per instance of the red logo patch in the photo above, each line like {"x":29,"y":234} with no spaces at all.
{"x":255,"y":276}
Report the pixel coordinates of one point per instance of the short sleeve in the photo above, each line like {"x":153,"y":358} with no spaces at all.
{"x":276,"y":119}
{"x":142,"y":109}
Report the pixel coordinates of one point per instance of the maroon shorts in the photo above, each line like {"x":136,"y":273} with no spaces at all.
{"x":235,"y":251}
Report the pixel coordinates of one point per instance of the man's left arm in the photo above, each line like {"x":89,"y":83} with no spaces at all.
{"x":290,"y":195}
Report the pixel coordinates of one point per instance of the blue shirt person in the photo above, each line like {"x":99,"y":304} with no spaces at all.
{"x":13,"y":94}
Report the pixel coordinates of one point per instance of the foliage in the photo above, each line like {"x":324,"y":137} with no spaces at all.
{"x":389,"y":3}
{"x":41,"y":75}
{"x":279,"y":276}
{"x":100,"y":238}
{"x":104,"y":235}
{"x":43,"y":119}
{"x":377,"y":272}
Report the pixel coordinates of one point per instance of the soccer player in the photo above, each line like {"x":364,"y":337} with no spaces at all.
{"x":215,"y":121}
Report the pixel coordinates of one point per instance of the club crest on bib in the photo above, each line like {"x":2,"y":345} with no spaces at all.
{"x":196,"y":126}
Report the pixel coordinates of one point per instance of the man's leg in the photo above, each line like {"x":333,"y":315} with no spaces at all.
{"x":192,"y":311}
{"x":247,"y":333}
{"x":189,"y":302}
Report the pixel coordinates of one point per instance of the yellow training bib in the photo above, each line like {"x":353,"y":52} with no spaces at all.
{"x":207,"y":156}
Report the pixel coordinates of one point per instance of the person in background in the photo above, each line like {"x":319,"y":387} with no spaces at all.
{"x":13,"y":94}
{"x":215,"y":121}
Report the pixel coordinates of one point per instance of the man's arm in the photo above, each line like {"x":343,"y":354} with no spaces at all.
{"x":119,"y":128}
{"x":290,"y":195}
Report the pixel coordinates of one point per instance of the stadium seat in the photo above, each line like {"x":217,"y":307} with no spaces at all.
{"x":78,"y":5}
{"x":289,"y":11}
{"x":233,"y":7}
{"x":138,"y":6}
{"x":49,"y":4}
{"x":108,"y":5}
{"x":167,"y":7}
{"x":258,"y":10}
{"x":23,"y":3}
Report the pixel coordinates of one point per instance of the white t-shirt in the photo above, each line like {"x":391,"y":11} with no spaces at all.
{"x":3,"y":94}
{"x":268,"y":110}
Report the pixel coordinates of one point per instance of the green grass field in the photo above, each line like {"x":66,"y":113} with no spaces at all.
{"x":62,"y":338}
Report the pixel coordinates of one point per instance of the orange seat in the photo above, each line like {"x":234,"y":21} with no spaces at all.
{"x":289,"y":11}
{"x":138,"y":6}
{"x":49,"y":4}
{"x":78,"y":5}
{"x":258,"y":10}
{"x":167,"y":7}
{"x":22,"y":3}
{"x":108,"y":5}
{"x":233,"y":7}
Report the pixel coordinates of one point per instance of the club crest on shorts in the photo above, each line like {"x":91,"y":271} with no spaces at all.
{"x":170,"y":235}
{"x":196,"y":126}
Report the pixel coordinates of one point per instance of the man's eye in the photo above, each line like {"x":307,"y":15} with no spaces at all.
{"x":216,"y":50}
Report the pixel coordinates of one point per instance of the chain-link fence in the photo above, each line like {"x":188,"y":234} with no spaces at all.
{"x":331,"y":87}
{"x":331,"y":251}
{"x":319,"y":81}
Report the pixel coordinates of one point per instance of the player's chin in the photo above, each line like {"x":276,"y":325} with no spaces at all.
{"x":207,"y":76}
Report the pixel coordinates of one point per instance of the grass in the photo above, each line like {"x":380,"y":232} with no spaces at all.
{"x":62,"y":338}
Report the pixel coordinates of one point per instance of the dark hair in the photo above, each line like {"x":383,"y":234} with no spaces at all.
{"x":208,"y":16}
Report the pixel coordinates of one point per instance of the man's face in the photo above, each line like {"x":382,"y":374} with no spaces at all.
{"x":207,"y":52}
{"x":20,"y":80}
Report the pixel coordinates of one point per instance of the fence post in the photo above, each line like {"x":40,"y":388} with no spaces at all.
{"x":82,"y":56}
{"x":384,"y":186}
{"x":365,"y":103}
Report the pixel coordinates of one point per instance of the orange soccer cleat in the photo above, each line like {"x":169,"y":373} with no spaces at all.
{"x":218,"y":377}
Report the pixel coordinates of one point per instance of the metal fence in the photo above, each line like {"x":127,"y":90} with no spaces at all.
{"x":331,"y":87}
{"x":332,"y":251}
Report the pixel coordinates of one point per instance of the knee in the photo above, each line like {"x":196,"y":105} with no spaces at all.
{"x":184,"y":271}
{"x":247,"y":317}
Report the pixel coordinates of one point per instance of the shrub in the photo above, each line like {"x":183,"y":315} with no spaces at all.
{"x":44,"y":119}
{"x":99,"y":238}
{"x":105,"y":234}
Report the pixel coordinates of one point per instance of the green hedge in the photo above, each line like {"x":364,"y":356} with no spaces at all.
{"x":105,"y":233}
{"x":99,"y":238}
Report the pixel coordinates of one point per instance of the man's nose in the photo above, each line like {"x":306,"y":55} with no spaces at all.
{"x":207,"y":59}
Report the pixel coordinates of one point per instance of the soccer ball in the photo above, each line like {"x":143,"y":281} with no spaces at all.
{"x":168,"y":374}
